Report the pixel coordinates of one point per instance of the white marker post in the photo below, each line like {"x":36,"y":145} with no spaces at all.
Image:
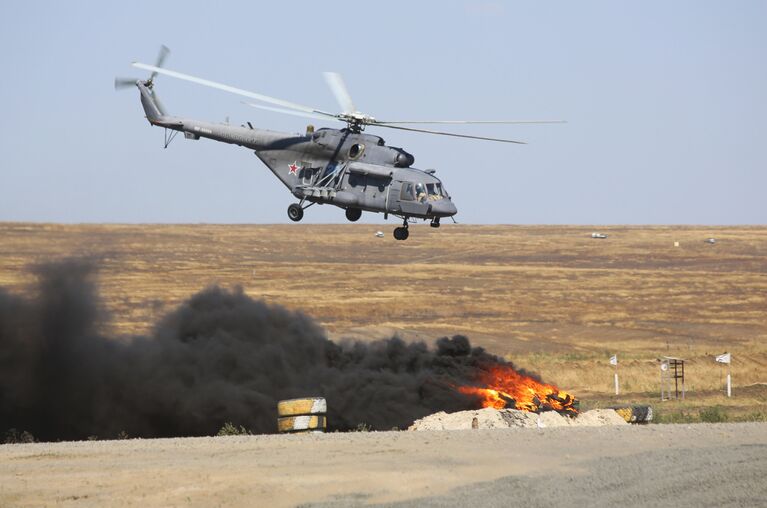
{"x":727,"y":358}
{"x":614,"y":361}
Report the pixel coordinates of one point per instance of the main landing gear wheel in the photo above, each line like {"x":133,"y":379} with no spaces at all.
{"x":295,"y":212}
{"x":353,"y":214}
{"x":401,"y":233}
{"x":434,"y":222}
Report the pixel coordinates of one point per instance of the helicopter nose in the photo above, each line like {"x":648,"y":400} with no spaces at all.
{"x":443,"y":208}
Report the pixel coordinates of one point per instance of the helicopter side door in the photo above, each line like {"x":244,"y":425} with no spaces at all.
{"x":375,"y":191}
{"x":371,"y":190}
{"x":370,"y":184}
{"x":392,"y":196}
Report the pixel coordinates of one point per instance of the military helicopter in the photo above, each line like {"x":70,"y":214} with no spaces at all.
{"x":344,"y":167}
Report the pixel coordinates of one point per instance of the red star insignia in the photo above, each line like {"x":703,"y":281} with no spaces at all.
{"x":292,"y":169}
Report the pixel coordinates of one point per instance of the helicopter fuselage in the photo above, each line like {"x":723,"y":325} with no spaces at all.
{"x":342,"y":167}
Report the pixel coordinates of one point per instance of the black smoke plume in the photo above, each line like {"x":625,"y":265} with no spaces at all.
{"x":219,"y":357}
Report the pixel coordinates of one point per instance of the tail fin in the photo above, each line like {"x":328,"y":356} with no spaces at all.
{"x":151,"y":103}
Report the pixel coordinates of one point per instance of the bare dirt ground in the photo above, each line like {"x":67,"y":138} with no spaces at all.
{"x":652,"y":465}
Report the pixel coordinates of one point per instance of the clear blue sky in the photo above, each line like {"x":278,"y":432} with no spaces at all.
{"x":666,"y":103}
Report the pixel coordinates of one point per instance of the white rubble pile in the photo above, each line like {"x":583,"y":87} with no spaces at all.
{"x":489,"y":418}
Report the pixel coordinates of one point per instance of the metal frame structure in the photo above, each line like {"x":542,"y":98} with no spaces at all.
{"x":671,"y":368}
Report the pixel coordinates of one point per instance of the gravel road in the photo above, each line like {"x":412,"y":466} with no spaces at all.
{"x":654,"y":465}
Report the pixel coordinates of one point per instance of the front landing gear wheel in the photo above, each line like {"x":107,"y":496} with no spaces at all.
{"x":353,"y":214}
{"x":295,"y":212}
{"x":401,"y":233}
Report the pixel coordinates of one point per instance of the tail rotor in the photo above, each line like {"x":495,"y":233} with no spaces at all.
{"x":122,"y":83}
{"x":161,"y":56}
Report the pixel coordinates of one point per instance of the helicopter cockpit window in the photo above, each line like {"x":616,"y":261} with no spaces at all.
{"x":435,"y":191}
{"x":356,"y":150}
{"x":407,"y":192}
{"x":420,"y":192}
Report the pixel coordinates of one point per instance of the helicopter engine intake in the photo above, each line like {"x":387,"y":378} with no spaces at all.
{"x":403,"y":159}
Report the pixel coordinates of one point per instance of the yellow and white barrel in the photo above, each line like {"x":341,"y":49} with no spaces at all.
{"x":308,"y":414}
{"x":634,"y":413}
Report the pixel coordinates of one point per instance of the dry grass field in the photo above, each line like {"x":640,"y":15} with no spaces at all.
{"x":550,"y":298}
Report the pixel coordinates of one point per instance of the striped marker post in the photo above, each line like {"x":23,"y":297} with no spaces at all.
{"x":614,"y":361}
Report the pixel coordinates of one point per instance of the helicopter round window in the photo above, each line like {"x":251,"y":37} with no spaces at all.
{"x":356,"y":150}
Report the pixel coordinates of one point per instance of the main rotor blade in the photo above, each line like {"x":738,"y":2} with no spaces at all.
{"x":466,"y":122}
{"x":338,"y":87}
{"x":230,"y":89}
{"x":447,"y":133}
{"x":121,"y":83}
{"x":329,"y":118}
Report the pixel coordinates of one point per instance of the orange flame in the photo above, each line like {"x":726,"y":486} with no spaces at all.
{"x":507,"y":388}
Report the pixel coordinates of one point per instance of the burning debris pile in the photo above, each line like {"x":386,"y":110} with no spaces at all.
{"x":504,"y":387}
{"x":223,"y":357}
